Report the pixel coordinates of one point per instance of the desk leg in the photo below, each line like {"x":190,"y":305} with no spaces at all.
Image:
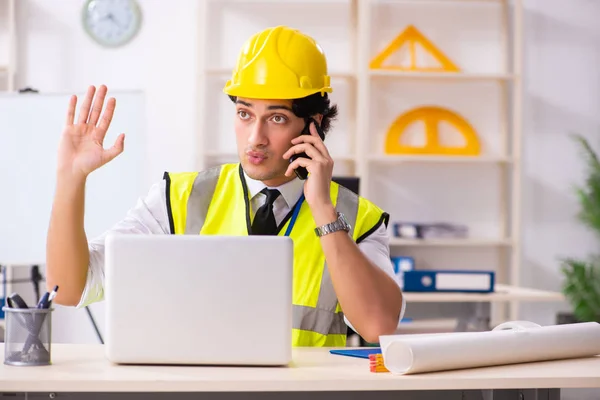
{"x":512,"y":394}
{"x":541,"y":394}
{"x":482,"y":316}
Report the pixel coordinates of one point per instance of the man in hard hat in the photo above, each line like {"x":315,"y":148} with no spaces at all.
{"x":282,"y":186}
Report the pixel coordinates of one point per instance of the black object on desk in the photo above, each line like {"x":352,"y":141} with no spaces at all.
{"x":36,"y":277}
{"x":28,"y":90}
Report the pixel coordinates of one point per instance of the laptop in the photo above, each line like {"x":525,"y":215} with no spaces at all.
{"x":195,"y":299}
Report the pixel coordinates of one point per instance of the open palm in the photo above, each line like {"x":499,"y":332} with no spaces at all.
{"x":81,"y":148}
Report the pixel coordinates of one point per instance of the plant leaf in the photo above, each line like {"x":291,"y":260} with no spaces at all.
{"x":588,"y":193}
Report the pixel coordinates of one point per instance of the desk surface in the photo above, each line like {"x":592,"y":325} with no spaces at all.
{"x":84,"y":368}
{"x":503,"y":293}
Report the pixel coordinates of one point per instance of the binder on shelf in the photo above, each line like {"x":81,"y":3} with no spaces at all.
{"x":463,"y":281}
{"x":436,"y":230}
{"x":3,"y":294}
{"x":402,"y":264}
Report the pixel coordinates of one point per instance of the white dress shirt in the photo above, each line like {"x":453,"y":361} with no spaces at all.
{"x":149,"y":216}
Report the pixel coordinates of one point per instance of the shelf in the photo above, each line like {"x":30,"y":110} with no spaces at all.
{"x":283,"y":2}
{"x":503,"y":293}
{"x":343,"y":158}
{"x":383,"y":73}
{"x":227,"y":72}
{"x":343,"y":2}
{"x":394,"y":241}
{"x":434,"y":325}
{"x":436,"y":2}
{"x":392,"y":159}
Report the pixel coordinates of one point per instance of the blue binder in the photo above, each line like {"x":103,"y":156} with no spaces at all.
{"x":449,"y":281}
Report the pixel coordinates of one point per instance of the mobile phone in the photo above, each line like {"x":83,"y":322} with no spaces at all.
{"x":301,"y":172}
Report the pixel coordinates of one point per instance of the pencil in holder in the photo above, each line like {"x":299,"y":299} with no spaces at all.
{"x":28,"y":336}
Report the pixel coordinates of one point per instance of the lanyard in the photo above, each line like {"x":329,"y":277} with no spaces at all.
{"x":294,"y":215}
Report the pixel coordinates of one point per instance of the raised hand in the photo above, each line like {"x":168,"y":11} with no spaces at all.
{"x":81,"y":149}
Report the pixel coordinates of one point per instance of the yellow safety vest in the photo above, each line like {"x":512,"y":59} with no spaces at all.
{"x":216,"y":202}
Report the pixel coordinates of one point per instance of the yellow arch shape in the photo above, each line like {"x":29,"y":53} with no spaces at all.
{"x":431,"y":117}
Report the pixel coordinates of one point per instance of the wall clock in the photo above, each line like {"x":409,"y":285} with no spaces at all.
{"x":112,"y":23}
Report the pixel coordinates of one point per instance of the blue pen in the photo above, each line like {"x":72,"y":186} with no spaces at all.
{"x":47,"y":298}
{"x":51,"y":296}
{"x":43,"y":300}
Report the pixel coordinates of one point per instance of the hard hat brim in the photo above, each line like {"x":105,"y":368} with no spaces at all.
{"x":269,"y":92}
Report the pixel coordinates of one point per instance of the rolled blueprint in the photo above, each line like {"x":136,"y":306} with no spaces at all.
{"x":521,"y":342}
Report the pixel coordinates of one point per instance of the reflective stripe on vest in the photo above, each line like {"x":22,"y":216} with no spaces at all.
{"x":323,"y":319}
{"x":199,"y":200}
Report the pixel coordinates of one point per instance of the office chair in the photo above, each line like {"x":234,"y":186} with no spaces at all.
{"x":349,"y":182}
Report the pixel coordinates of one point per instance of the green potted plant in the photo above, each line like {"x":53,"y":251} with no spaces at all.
{"x":581,"y":285}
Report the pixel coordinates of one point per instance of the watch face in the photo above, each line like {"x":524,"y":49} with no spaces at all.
{"x":111,"y":22}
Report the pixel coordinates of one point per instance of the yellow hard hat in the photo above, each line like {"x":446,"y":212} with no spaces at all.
{"x":279,"y":63}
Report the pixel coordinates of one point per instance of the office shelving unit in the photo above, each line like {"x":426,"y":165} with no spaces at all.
{"x":503,"y":80}
{"x":357,"y":144}
{"x":8,"y":39}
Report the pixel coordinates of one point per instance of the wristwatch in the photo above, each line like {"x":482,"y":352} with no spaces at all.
{"x":338,"y":225}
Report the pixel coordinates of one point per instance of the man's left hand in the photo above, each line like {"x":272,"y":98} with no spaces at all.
{"x":319,"y":166}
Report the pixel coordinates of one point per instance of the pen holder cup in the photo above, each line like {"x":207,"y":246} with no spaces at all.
{"x":27,"y":338}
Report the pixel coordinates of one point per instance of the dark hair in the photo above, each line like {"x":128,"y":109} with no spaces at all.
{"x":313,"y":104}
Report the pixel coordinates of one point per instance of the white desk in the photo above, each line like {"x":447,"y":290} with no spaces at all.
{"x":471,"y":308}
{"x":83,"y":368}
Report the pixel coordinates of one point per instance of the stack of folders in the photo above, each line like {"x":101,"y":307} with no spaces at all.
{"x":464,"y":281}
{"x":401,"y":265}
{"x":436,"y":230}
{"x":376,"y":363}
{"x":374,"y":355}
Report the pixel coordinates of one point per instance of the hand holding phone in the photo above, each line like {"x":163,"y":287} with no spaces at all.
{"x":301,"y":172}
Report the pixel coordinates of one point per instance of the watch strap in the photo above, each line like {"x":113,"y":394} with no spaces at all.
{"x":340,"y":224}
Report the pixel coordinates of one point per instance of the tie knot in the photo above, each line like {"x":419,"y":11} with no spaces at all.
{"x":272,"y":195}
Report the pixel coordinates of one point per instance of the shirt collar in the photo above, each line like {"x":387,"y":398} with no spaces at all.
{"x":290,"y":191}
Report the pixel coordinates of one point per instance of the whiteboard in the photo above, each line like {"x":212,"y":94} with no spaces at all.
{"x":30,"y":128}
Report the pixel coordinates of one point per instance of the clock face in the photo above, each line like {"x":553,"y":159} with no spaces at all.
{"x":111,"y":22}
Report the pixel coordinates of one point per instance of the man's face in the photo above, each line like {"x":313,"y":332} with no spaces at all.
{"x":264,"y":130}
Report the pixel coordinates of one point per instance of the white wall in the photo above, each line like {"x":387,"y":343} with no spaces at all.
{"x":562,"y":94}
{"x":56,"y":55}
